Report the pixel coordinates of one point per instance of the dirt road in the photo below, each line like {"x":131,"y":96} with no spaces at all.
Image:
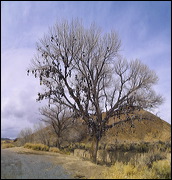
{"x":30,"y":166}
{"x":21,"y":163}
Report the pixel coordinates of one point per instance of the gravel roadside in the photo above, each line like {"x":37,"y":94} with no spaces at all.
{"x":30,"y":166}
{"x":22,"y":163}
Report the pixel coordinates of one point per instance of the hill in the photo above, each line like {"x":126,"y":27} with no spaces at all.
{"x":152,"y":129}
{"x":149,"y":130}
{"x":4,"y":139}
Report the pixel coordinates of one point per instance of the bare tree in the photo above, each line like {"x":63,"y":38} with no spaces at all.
{"x":25,"y":136}
{"x":59,"y":119}
{"x":77,"y":132}
{"x":81,"y":69}
{"x":42,"y":134}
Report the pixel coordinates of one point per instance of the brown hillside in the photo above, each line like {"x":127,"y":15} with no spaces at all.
{"x":149,"y":130}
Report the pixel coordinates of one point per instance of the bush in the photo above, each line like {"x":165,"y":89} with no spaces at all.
{"x":147,"y":166}
{"x":66,"y":152}
{"x":122,"y":171}
{"x":54,"y":149}
{"x":7,"y":145}
{"x":149,"y":158}
{"x":125,"y":147}
{"x":38,"y":147}
{"x":73,"y":146}
{"x":162,"y":169}
{"x":129,"y":170}
{"x":28,"y":145}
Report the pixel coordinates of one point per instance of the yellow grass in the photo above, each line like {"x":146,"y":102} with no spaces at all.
{"x":159,"y":169}
{"x":54,"y":149}
{"x":38,"y":147}
{"x":7,"y":145}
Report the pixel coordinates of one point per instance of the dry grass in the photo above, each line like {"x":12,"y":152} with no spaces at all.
{"x":54,"y":149}
{"x":38,"y":147}
{"x":150,"y":130}
{"x":7,"y":145}
{"x":159,"y":169}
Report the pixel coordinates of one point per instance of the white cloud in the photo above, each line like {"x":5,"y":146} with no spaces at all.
{"x":19,"y":107}
{"x":11,"y":127}
{"x":24,"y":22}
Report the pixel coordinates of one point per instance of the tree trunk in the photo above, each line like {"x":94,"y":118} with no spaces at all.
{"x":48,"y":143}
{"x":58,"y":143}
{"x":94,"y":149}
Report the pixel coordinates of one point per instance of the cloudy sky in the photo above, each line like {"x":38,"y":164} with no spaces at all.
{"x":144,"y":29}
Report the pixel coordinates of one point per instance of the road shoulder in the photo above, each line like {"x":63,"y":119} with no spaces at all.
{"x":81,"y":169}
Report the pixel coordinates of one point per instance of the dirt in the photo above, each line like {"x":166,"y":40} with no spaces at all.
{"x":22,"y":163}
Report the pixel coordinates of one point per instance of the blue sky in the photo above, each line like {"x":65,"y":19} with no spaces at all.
{"x":143,"y":27}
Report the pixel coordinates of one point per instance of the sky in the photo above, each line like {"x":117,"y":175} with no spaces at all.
{"x":144,"y":28}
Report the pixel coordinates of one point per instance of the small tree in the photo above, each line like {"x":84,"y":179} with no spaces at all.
{"x":81,"y":69}
{"x":59,"y":119}
{"x":41,"y":134}
{"x":25,"y":136}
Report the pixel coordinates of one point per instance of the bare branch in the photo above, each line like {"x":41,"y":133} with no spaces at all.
{"x":81,"y":69}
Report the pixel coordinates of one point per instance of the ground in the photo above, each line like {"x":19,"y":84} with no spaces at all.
{"x":75,"y":166}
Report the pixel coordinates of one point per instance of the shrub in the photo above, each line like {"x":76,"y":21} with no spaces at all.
{"x":129,"y":170}
{"x":28,"y":145}
{"x":162,"y":169}
{"x":122,"y":171}
{"x":73,"y":146}
{"x":136,"y":147}
{"x":66,"y":152}
{"x":125,"y":147}
{"x":54,"y":149}
{"x":7,"y":145}
{"x":149,"y":158}
{"x":38,"y":147}
{"x":159,"y":169}
{"x":143,"y":147}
